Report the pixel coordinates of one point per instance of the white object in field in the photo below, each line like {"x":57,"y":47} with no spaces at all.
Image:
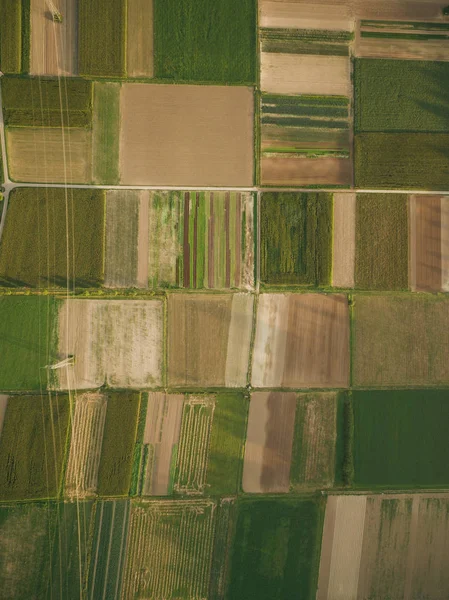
{"x":69,"y":361}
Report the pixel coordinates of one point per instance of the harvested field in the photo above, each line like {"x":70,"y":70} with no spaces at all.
{"x":49,"y":155}
{"x":304,"y":171}
{"x":302,"y":340}
{"x":400,"y":340}
{"x":343,"y":251}
{"x":296,"y":14}
{"x":269,"y":441}
{"x":118,"y":342}
{"x":54,"y":46}
{"x":216,"y":121}
{"x":88,"y":420}
{"x":445,"y":243}
{"x":169,"y":549}
{"x":209,"y":339}
{"x":3,"y":405}
{"x":105,"y":132}
{"x":315,"y":440}
{"x":305,"y":74}
{"x":139,"y":39}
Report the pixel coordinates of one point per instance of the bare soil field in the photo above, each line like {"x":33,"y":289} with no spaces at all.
{"x":118,"y":342}
{"x":3,"y":405}
{"x":284,"y":170}
{"x":402,"y":49}
{"x":209,"y":339}
{"x":400,"y":340}
{"x":49,"y":155}
{"x":162,"y":429}
{"x":269,"y":441}
{"x":54,"y":46}
{"x":139,"y":42}
{"x":344,"y":241}
{"x":425,"y":243}
{"x":305,"y":74}
{"x":302,"y":340}
{"x":444,"y":243}
{"x":300,"y":15}
{"x":217,"y":122}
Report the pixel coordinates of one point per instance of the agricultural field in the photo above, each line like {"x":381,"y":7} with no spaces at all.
{"x":209,"y":339}
{"x":302,"y":340}
{"x":295,"y":238}
{"x":400,"y":340}
{"x":343,"y":242}
{"x":209,"y":119}
{"x":105,"y":132}
{"x":139,"y":38}
{"x":276,"y":549}
{"x":60,"y":242}
{"x":11,"y":25}
{"x":384,"y":547}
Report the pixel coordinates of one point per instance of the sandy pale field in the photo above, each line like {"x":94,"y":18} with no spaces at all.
{"x":343,"y":241}
{"x":139,"y":43}
{"x":403,"y":49}
{"x":3,"y":405}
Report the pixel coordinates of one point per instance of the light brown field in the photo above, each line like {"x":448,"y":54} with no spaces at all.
{"x":162,"y":428}
{"x":425,"y":243}
{"x":305,"y":74}
{"x":215,"y":125}
{"x":269,"y":442}
{"x":402,"y":49}
{"x":3,"y":405}
{"x":49,"y":154}
{"x":400,"y":340}
{"x":54,"y":46}
{"x":302,"y":340}
{"x":444,"y":243}
{"x":209,"y":339}
{"x":283,"y":170}
{"x":343,"y":241}
{"x":139,"y":42}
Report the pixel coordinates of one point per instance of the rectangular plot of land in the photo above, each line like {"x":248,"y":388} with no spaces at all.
{"x":139,"y":39}
{"x":269,"y":442}
{"x":343,"y":241}
{"x":105,"y":132}
{"x":302,"y":15}
{"x":426,"y":243}
{"x":303,"y":171}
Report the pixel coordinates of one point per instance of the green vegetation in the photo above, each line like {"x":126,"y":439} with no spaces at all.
{"x":34,"y":102}
{"x":278,"y":100}
{"x":305,"y":41}
{"x":405,"y":25}
{"x":395,"y":160}
{"x":347,"y":418}
{"x":296,"y":235}
{"x":276,"y":550}
{"x":26,"y":325}
{"x":205,"y":40}
{"x":114,"y":475}
{"x":225,"y":454}
{"x":10,"y":36}
{"x":105,"y":133}
{"x":32,"y":446}
{"x":401,"y":438}
{"x":101,"y":38}
{"x":53,"y":237}
{"x":26,"y":35}
{"x":401,"y":95}
{"x":381,"y":260}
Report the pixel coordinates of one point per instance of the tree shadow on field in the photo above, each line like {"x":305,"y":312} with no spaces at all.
{"x":437,"y":87}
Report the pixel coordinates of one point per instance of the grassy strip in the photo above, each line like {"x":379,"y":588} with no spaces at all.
{"x":304,"y":47}
{"x":114,"y":474}
{"x":348,"y":440}
{"x":417,"y":37}
{"x":402,"y":160}
{"x":304,"y":100}
{"x":304,"y":122}
{"x":10,"y":36}
{"x":309,"y":152}
{"x":305,"y":110}
{"x":26,"y":35}
{"x":324,"y":35}
{"x":405,"y":25}
{"x":101,"y":38}
{"x":205,"y":40}
{"x":32,"y":446}
{"x":105,"y":133}
{"x":38,"y":256}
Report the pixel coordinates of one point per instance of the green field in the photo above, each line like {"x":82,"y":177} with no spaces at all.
{"x":34,"y":102}
{"x":101,"y":38}
{"x":400,"y":438}
{"x":53,"y":238}
{"x":401,"y":95}
{"x":114,"y":475}
{"x":105,"y":133}
{"x":402,"y":160}
{"x":225,"y":453}
{"x":276,"y":550}
{"x":26,"y":326}
{"x":305,"y":41}
{"x":205,"y":40}
{"x":32,"y":446}
{"x":295,"y":238}
{"x":10,"y":36}
{"x":381,"y":259}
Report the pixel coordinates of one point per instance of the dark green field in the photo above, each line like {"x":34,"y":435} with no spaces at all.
{"x":10,"y":36}
{"x":400,"y":438}
{"x":225,"y":455}
{"x":34,"y":102}
{"x":276,"y":550}
{"x":205,"y":40}
{"x":53,"y":238}
{"x":25,"y":341}
{"x":381,"y":259}
{"x":402,"y":160}
{"x":32,"y":446}
{"x":401,"y":95}
{"x":295,"y":238}
{"x":114,"y":475}
{"x":101,"y":38}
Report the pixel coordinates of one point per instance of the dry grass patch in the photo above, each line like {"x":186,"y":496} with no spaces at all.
{"x":300,"y":15}
{"x":344,"y":240}
{"x":139,"y":41}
